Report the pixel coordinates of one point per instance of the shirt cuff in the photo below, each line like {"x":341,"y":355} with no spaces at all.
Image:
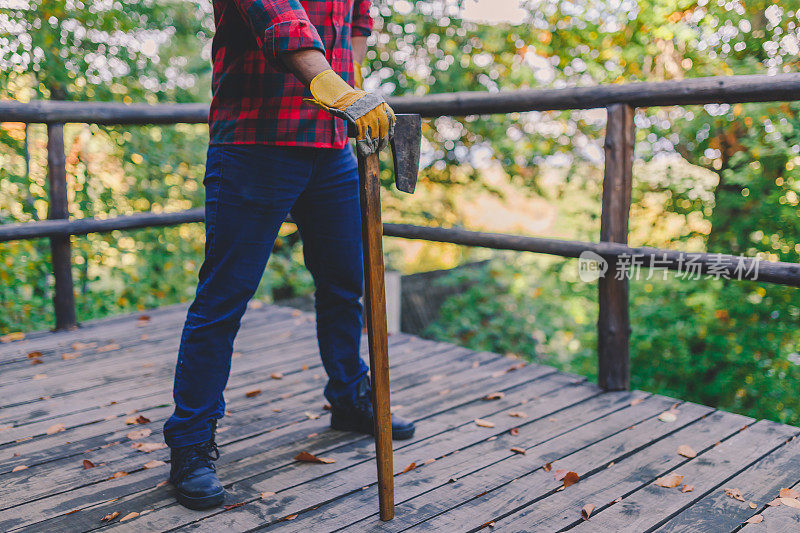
{"x":291,"y":35}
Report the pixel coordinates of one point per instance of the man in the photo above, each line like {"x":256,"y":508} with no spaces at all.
{"x":272,"y":153}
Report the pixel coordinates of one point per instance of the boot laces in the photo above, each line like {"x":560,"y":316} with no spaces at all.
{"x":198,"y":456}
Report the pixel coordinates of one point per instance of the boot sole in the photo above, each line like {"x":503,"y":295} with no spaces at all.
{"x":203,"y":502}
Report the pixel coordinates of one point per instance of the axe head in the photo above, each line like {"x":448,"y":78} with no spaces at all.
{"x":405,"y":151}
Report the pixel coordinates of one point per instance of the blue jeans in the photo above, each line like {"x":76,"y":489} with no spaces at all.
{"x":249,"y":191}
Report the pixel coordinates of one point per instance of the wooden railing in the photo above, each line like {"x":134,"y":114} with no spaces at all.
{"x":619,"y":100}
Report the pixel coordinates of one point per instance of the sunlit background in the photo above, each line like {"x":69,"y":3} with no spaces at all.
{"x":716,"y":178}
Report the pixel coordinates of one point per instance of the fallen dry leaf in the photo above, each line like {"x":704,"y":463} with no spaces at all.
{"x":751,"y":505}
{"x":687,"y":488}
{"x":36,"y":361}
{"x":571,"y":478}
{"x":559,"y":474}
{"x":154,"y":463}
{"x":108,"y":348}
{"x":77,"y":346}
{"x":736,"y":494}
{"x":516,"y":366}
{"x":518,"y":414}
{"x":290,"y":517}
{"x":18,"y":468}
{"x":87,"y":464}
{"x":686,"y":451}
{"x":56,"y":428}
{"x":666,"y":416}
{"x":34,"y":355}
{"x":514,"y":431}
{"x":306,"y":457}
{"x":409,"y":468}
{"x":636,"y":401}
{"x":487,"y":524}
{"x":139,"y":433}
{"x":70,"y":355}
{"x":788,"y":493}
{"x":276,"y":375}
{"x":129,"y":516}
{"x":586,"y":512}
{"x":670,"y":481}
{"x":162,"y":483}
{"x":119,"y":475}
{"x":547,"y":467}
{"x":11,"y":337}
{"x":253,"y":393}
{"x":148,"y":447}
{"x":110,"y":516}
{"x":133,"y":420}
{"x":37,"y":377}
{"x":790,"y":502}
{"x":518,"y":450}
{"x":755,"y":519}
{"x":494,"y":396}
{"x":483,"y":423}
{"x":774,"y":503}
{"x":311,"y":416}
{"x":234,"y":505}
{"x":265,"y":495}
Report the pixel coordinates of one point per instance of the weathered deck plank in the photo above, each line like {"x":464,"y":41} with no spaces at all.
{"x":465,"y":475}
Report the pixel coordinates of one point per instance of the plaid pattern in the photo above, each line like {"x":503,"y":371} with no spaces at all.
{"x":255,"y":99}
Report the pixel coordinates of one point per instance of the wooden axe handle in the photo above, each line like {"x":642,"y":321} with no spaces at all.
{"x":375,"y":296}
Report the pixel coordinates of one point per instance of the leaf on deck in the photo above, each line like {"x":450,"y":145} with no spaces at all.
{"x":276,"y":375}
{"x":687,"y":488}
{"x":234,"y":505}
{"x":494,"y":396}
{"x":252,"y":393}
{"x":56,"y":428}
{"x":119,"y":475}
{"x":686,"y":451}
{"x":139,"y":433}
{"x":755,"y":519}
{"x":129,"y":516}
{"x":306,"y":457}
{"x":483,"y":423}
{"x":518,"y":414}
{"x":148,"y":447}
{"x":18,"y":468}
{"x":790,"y":502}
{"x":110,"y":516}
{"x":517,"y":449}
{"x":666,"y":416}
{"x":736,"y":494}
{"x":409,"y":468}
{"x":87,"y":464}
{"x":789,"y":493}
{"x":671,"y":481}
{"x":586,"y":512}
{"x":154,"y":463}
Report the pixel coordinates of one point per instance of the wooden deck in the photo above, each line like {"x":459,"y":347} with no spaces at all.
{"x":73,"y":407}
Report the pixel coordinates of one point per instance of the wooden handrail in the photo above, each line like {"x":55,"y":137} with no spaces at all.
{"x":717,"y":89}
{"x":620,"y":101}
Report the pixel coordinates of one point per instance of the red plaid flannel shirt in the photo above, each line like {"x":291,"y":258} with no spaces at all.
{"x":255,"y":99}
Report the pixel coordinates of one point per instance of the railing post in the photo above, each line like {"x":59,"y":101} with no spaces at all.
{"x":60,"y":247}
{"x":613,"y":323}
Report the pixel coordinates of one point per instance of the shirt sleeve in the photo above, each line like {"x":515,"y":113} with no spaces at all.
{"x":362,"y":22}
{"x":280,"y":26}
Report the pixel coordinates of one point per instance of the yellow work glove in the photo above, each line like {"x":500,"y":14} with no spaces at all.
{"x":359,"y":79}
{"x":371,"y":118}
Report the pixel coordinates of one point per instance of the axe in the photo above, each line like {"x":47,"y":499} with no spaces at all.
{"x":405,"y":153}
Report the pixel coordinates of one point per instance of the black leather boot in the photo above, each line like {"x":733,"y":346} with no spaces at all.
{"x":194,"y":475}
{"x":357,"y":415}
